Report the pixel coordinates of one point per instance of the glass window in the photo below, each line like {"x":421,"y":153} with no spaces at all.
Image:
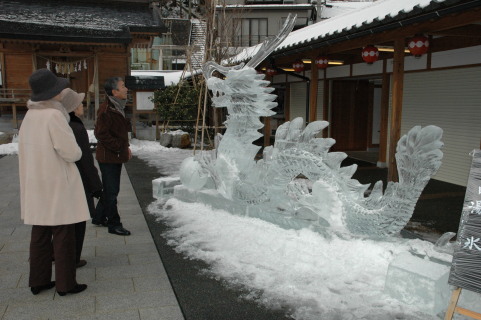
{"x":252,"y":32}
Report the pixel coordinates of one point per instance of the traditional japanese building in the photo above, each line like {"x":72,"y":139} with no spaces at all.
{"x":376,"y":72}
{"x":84,"y":41}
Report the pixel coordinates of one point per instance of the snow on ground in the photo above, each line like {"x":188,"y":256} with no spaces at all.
{"x":166,"y":160}
{"x":314,"y":277}
{"x":9,"y":148}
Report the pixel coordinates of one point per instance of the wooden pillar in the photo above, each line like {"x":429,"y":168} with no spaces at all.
{"x":325,"y":104}
{"x":267,"y":131}
{"x":313,"y":91}
{"x":134,"y":115}
{"x":287,"y":102}
{"x":96,"y":85}
{"x":385,"y":90}
{"x":397,"y":103}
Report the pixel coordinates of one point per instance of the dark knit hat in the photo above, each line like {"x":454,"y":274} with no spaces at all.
{"x":46,"y":85}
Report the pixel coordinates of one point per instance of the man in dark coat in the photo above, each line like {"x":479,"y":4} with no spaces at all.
{"x":72,"y":103}
{"x":111,"y":131}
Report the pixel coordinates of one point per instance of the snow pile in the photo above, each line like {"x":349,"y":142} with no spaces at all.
{"x":316,"y":278}
{"x":166,"y":160}
{"x":9,"y":148}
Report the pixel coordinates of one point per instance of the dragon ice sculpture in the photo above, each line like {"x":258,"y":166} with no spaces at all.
{"x":299,"y":183}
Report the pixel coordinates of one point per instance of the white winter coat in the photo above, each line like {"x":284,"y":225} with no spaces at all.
{"x":51,"y":190}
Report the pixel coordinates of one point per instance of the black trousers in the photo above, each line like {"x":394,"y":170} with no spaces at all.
{"x":107,"y":205}
{"x":59,"y":241}
{"x":79,"y":239}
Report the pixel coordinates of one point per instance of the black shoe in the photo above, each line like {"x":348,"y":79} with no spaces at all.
{"x":78,"y":288}
{"x":37,"y":290}
{"x":99,"y":223}
{"x":81,"y":263}
{"x":119,"y":230}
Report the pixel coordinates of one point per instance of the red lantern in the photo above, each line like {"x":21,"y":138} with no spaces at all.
{"x":298,"y":66}
{"x":270,"y":71}
{"x":321,"y":62}
{"x":418,"y":45}
{"x":370,"y":54}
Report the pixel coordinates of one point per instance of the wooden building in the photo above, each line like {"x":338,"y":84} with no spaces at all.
{"x":84,"y":41}
{"x":371,"y":105}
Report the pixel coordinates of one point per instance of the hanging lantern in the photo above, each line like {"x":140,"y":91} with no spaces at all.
{"x":270,"y":71}
{"x":370,"y":54}
{"x":418,"y":45}
{"x":321,"y":62}
{"x":298,"y":66}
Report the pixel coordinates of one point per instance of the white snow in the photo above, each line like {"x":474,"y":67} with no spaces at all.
{"x":9,"y":148}
{"x":314,"y":277}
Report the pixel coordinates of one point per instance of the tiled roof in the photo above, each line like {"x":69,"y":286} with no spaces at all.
{"x":86,"y":20}
{"x":380,"y":12}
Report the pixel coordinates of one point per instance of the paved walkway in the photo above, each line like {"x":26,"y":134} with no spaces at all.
{"x":125,"y":276}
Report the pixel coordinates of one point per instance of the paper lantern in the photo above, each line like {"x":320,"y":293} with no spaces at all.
{"x":370,"y":54}
{"x":321,"y":62}
{"x":418,"y":45}
{"x":298,"y":66}
{"x":270,"y":71}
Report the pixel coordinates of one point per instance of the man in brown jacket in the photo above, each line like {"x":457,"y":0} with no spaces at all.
{"x":111,"y":131}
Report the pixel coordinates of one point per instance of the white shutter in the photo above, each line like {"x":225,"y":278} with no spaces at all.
{"x":451,"y":100}
{"x":298,"y":100}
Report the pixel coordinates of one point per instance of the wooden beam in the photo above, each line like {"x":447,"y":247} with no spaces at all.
{"x":313,"y":91}
{"x":385,"y":90}
{"x":397,"y":101}
{"x":470,"y":31}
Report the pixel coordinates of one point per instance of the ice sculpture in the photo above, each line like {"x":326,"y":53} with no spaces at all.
{"x":299,"y":183}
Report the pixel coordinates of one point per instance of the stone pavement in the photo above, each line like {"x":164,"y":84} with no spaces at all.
{"x":125,"y":276}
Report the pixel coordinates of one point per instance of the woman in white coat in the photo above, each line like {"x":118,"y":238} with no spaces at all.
{"x":51,"y":192}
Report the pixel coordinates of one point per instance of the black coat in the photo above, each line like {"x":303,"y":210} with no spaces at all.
{"x":88,"y":171}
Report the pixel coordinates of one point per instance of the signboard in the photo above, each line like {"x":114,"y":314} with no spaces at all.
{"x":143,"y":100}
{"x":466,"y":265}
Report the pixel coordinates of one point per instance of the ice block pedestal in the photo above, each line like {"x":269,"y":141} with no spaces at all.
{"x":419,"y":282}
{"x":163,"y":188}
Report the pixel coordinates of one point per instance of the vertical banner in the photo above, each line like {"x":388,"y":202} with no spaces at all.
{"x":466,"y":265}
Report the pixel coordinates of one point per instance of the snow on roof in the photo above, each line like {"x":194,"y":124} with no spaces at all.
{"x":377,"y":11}
{"x":343,"y":23}
{"x":170,"y":77}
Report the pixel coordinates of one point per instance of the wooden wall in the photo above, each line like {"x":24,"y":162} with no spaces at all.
{"x":112,"y":65}
{"x":18,"y":67}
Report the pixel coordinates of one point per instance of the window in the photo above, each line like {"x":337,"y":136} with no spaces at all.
{"x":252,"y":32}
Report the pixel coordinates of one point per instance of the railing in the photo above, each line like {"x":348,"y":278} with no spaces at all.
{"x":10,"y":99}
{"x":17,"y":95}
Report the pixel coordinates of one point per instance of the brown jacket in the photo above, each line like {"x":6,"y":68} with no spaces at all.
{"x":111,"y":131}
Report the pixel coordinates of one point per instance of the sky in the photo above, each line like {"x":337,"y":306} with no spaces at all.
{"x":313,"y":277}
